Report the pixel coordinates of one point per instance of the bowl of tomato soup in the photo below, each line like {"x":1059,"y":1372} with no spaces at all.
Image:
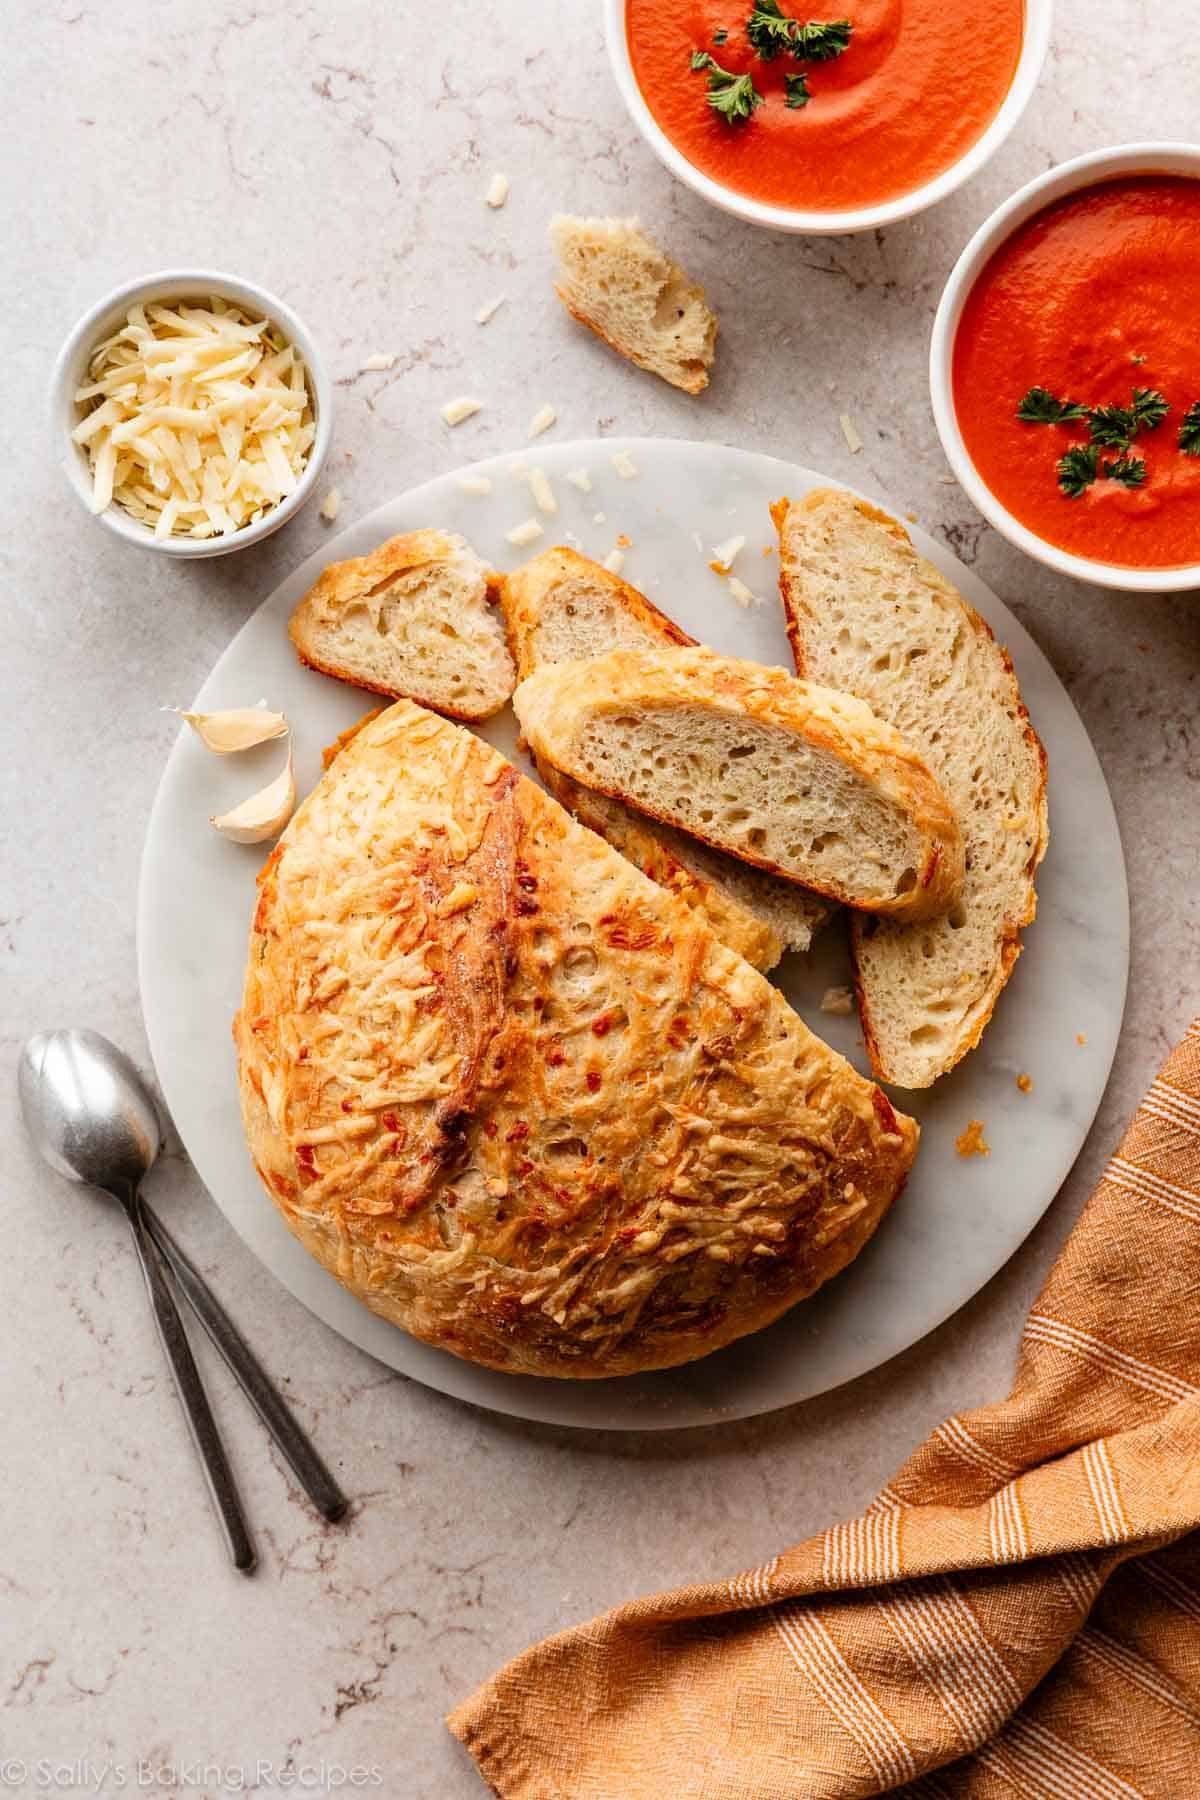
{"x":864,"y":114}
{"x":1065,"y":368}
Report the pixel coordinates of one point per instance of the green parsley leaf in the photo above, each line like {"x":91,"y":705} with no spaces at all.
{"x":1130,"y":471}
{"x":817,"y":42}
{"x":1149,"y":408}
{"x":1189,"y":431}
{"x":769,"y":29}
{"x":1039,"y":407}
{"x":733,"y":96}
{"x":1113,"y":426}
{"x":797,"y":91}
{"x":1078,"y":469}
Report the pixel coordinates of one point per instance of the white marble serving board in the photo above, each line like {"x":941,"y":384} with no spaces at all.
{"x":957,"y":1221}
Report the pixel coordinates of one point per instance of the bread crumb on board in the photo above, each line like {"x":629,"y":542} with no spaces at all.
{"x":542,"y":420}
{"x":624,"y":464}
{"x":972,"y":1142}
{"x":543,"y":493}
{"x":474,"y":484}
{"x":331,"y":505}
{"x":1081,"y":1038}
{"x":527,"y":532}
{"x":725,"y":554}
{"x":614,"y":562}
{"x":741,"y":593}
{"x":464,"y":407}
{"x":1025,"y":1083}
{"x":579,"y":478}
{"x":497,"y":192}
{"x":490,"y":309}
{"x":838,"y":1000}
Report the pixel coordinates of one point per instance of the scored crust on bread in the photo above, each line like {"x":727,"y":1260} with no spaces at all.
{"x":416,"y":618}
{"x":616,"y":280}
{"x":518,"y":1098}
{"x":560,"y":606}
{"x":865,"y":612}
{"x":795,"y":778}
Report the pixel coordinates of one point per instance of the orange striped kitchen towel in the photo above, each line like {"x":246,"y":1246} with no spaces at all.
{"x":1017,"y":1614}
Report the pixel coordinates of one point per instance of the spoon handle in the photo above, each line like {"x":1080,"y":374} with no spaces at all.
{"x":256,"y":1384}
{"x":196,"y":1409}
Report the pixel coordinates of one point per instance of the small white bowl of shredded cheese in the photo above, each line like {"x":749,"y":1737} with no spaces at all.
{"x":193,"y":412}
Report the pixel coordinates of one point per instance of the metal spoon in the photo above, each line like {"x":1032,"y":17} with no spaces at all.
{"x":94,"y":1121}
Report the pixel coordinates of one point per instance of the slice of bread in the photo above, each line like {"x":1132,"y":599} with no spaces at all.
{"x":560,"y":607}
{"x":616,"y":281}
{"x":797,"y":779}
{"x":416,"y":619}
{"x":864,"y":611}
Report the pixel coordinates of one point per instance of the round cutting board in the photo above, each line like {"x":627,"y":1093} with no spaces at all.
{"x":957,"y":1221}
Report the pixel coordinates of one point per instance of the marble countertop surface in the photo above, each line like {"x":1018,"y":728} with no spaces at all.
{"x":338,"y":157}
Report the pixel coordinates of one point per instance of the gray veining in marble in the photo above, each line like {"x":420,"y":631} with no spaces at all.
{"x":324,"y":151}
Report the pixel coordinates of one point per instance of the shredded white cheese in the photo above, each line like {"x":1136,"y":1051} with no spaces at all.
{"x":497,"y":192}
{"x":378,"y":364}
{"x":490,"y":310}
{"x":455,"y":411}
{"x":474,"y":484}
{"x":624,"y":464}
{"x":614,"y":562}
{"x":849,"y":431}
{"x":579,"y":478}
{"x":331,"y":505}
{"x":723,"y":554}
{"x":527,"y":532}
{"x":543,"y":493}
{"x":200,"y":418}
{"x":542,"y":420}
{"x":741,"y":593}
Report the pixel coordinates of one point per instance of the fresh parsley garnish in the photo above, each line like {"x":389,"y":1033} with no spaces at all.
{"x":797,"y":91}
{"x":1189,"y":431}
{"x":1149,"y":408}
{"x":1130,"y":471}
{"x":770,"y":31}
{"x":1078,"y":469}
{"x":1039,"y":407}
{"x":733,"y":96}
{"x":1116,"y":426}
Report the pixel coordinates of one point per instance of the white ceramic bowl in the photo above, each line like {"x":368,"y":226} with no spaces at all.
{"x":103,"y":318}
{"x":1068,"y":178}
{"x":1038,"y":14}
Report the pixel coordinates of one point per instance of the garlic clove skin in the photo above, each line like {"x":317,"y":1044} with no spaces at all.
{"x":241,"y":728}
{"x":264,"y":814}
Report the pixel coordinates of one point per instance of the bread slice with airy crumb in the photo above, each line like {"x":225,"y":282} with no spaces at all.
{"x":560,"y":606}
{"x":617,"y":282}
{"x":416,"y":619}
{"x":797,"y":779}
{"x":866,"y":613}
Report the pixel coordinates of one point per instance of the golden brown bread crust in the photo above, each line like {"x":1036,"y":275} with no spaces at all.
{"x":518,"y":1098}
{"x":342,"y":584}
{"x":552,"y":702}
{"x":528,"y":593}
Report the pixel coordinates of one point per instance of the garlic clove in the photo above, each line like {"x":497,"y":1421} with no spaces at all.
{"x":241,"y":728}
{"x":264,"y":814}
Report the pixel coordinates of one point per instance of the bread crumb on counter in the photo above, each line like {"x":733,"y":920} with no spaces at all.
{"x":490,"y":309}
{"x":850,"y":432}
{"x":599,"y":518}
{"x":331,"y":505}
{"x":741,"y":593}
{"x":464,"y":407}
{"x":972,"y":1142}
{"x":542,"y":420}
{"x":624,"y":542}
{"x":624,"y":464}
{"x":838,"y":1000}
{"x":579,"y":478}
{"x":527,"y":532}
{"x":474,"y":484}
{"x":378,"y":364}
{"x":1025,"y":1083}
{"x":614,"y":562}
{"x":723,"y":555}
{"x":497,"y":192}
{"x":1081,"y":1038}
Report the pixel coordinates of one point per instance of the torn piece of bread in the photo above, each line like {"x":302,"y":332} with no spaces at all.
{"x":416,"y":619}
{"x":616,"y":281}
{"x":560,"y":607}
{"x":797,"y":779}
{"x":865,"y":612}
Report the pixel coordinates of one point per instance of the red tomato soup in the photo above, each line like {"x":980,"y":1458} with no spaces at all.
{"x":918,"y":83}
{"x":1094,"y":301}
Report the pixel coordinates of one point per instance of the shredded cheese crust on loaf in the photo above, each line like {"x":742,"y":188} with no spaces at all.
{"x":516,"y":1097}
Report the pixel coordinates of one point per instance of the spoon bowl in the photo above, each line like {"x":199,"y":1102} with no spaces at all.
{"x":88,"y":1110}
